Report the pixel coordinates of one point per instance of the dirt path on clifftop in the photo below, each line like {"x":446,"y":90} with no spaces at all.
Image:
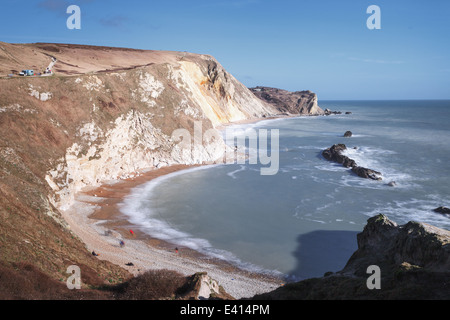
{"x":78,"y":59}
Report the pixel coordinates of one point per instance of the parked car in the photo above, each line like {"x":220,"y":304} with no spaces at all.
{"x":26,"y":73}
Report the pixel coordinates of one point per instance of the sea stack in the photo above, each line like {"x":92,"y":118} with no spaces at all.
{"x":348,"y":134}
{"x":289,"y":103}
{"x":334,"y":153}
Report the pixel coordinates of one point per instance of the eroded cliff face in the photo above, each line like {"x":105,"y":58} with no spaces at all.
{"x":135,"y":116}
{"x":290,"y":103}
{"x":106,"y":114}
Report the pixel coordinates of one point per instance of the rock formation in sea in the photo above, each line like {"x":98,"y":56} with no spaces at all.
{"x":443,"y":210}
{"x":329,"y":112}
{"x":367,"y":173}
{"x":289,"y":103}
{"x":413,"y":261}
{"x":334,"y":153}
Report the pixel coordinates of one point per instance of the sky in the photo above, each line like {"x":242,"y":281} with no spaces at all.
{"x":320,"y":45}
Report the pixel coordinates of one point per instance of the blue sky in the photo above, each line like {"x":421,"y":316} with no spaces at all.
{"x":319,"y":45}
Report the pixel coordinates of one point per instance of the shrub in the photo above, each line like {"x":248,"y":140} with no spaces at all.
{"x":152,"y":285}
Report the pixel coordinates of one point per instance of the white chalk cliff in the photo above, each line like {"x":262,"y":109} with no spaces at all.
{"x":161,"y":100}
{"x":109,"y":113}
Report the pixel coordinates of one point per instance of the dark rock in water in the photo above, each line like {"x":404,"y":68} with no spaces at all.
{"x":367,"y":173}
{"x":442,"y":210}
{"x":335,"y":154}
{"x":328,"y":112}
{"x":348,"y":112}
{"x":348,"y":134}
{"x":392,"y":184}
{"x":348,"y":163}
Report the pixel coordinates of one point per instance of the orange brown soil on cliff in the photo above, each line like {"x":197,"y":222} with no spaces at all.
{"x":73,"y":59}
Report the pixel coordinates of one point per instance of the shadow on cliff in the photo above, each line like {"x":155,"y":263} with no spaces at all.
{"x":321,"y":251}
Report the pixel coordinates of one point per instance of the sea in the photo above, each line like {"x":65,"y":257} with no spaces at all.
{"x":303,"y":221}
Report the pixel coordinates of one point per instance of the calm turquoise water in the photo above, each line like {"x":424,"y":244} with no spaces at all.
{"x":303,"y":221}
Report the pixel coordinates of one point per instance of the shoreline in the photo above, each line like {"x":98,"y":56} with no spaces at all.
{"x":253,"y":121}
{"x":96,"y":219}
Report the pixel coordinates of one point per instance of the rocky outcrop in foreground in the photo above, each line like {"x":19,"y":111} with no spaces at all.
{"x":334,"y":153}
{"x":289,"y":103}
{"x":413,"y":259}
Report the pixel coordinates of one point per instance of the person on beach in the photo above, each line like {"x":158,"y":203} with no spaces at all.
{"x":95,"y":254}
{"x":132,"y":232}
{"x":122,"y":243}
{"x":176,"y":250}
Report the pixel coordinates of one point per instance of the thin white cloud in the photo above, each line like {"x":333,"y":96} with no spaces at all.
{"x":116,"y":21}
{"x":54,"y":5}
{"x":232,"y":3}
{"x":379,"y":61}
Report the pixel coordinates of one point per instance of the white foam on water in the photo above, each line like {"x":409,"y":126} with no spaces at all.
{"x":296,"y":167}
{"x":361,"y":136}
{"x":368,"y":157}
{"x":379,"y":160}
{"x":232,"y":174}
{"x":332,"y":167}
{"x":321,"y":148}
{"x":136,"y":207}
{"x":419,"y":210}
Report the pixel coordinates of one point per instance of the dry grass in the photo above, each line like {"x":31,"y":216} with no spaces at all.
{"x":23,"y":281}
{"x":153,"y":285}
{"x":76,"y":59}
